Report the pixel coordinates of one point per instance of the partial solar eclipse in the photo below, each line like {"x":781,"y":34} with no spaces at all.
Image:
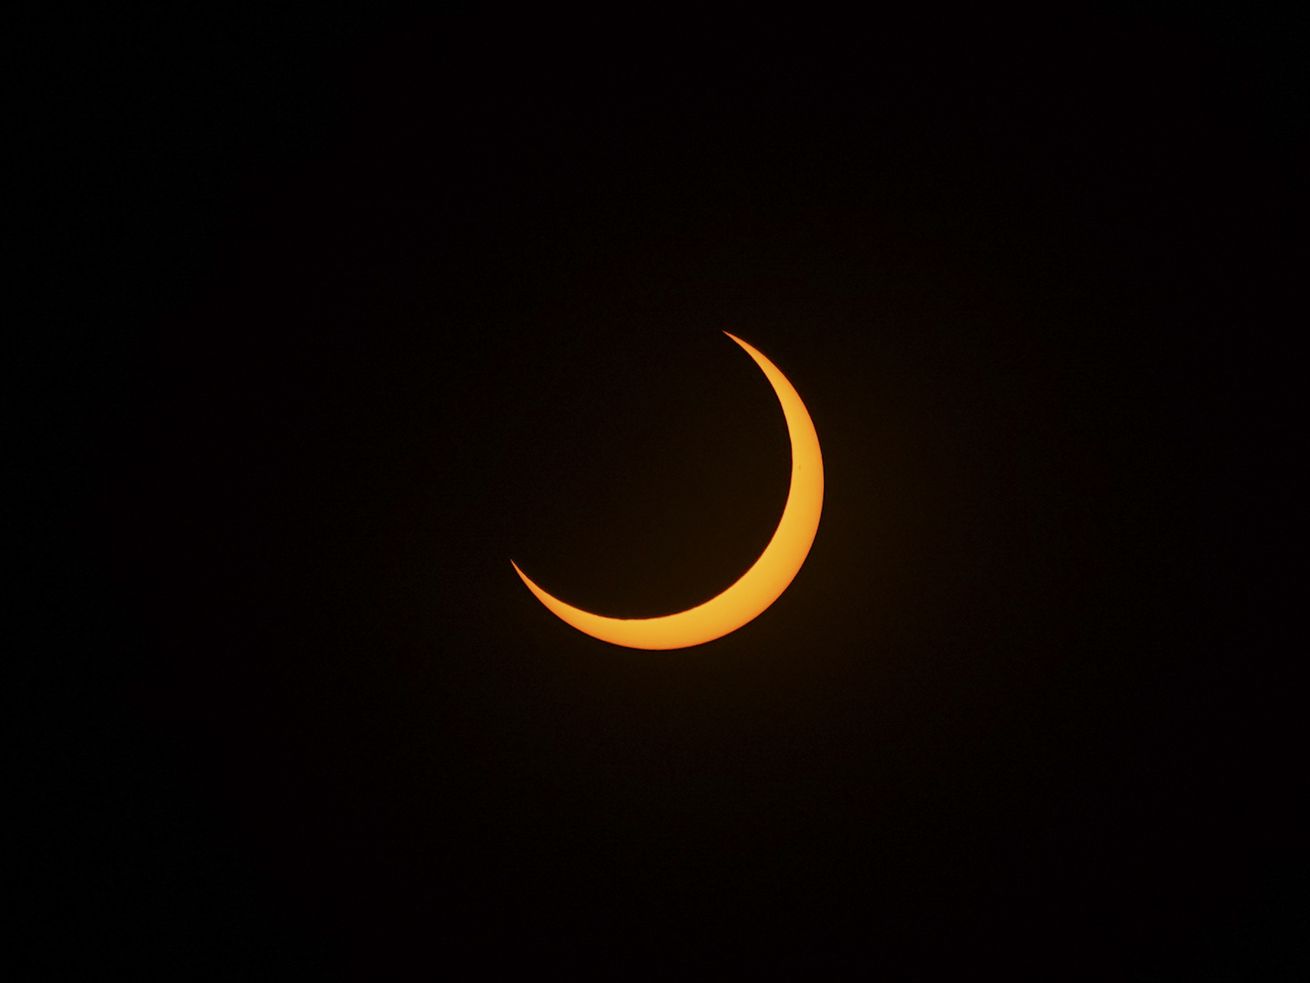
{"x":759,"y":586}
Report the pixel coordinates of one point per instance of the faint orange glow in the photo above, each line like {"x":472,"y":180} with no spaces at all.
{"x":759,"y":586}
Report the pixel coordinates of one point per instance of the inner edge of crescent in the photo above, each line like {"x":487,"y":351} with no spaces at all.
{"x":756,"y":589}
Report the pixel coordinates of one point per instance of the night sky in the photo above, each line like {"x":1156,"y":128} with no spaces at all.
{"x":397,"y":302}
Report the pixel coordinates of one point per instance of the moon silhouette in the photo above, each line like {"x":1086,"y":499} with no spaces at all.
{"x":767,"y":577}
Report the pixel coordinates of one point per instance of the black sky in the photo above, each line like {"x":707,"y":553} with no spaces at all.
{"x":404,"y":300}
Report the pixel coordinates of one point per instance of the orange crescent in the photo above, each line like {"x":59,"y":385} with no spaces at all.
{"x":767,"y":577}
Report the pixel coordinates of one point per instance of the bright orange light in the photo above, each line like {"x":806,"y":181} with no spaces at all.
{"x":759,"y":586}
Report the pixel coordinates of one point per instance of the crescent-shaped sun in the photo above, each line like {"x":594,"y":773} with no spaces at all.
{"x":759,"y":586}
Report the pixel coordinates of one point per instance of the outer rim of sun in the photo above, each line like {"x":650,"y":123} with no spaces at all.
{"x":755,"y":590}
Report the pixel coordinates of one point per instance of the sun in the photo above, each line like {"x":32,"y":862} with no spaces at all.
{"x":768,"y":576}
